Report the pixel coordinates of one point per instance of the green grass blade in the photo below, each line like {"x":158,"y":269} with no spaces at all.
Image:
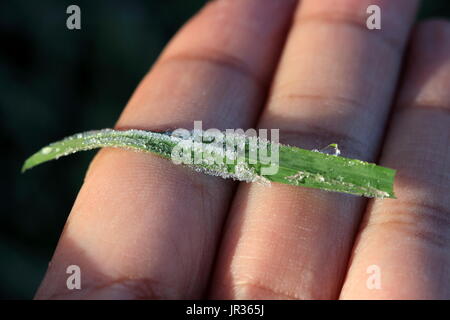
{"x":334,"y":173}
{"x":296,"y":166}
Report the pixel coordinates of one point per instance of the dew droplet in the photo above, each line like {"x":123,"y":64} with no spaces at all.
{"x":46,"y":150}
{"x":331,"y":149}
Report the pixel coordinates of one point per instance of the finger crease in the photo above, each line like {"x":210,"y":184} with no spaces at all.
{"x":219,"y":59}
{"x":426,"y":221}
{"x":355,"y":22}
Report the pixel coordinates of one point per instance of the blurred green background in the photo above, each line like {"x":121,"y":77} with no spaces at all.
{"x":55,"y":82}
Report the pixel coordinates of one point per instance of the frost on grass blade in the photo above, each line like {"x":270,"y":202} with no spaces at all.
{"x":334,"y":173}
{"x":315,"y":169}
{"x":137,"y":140}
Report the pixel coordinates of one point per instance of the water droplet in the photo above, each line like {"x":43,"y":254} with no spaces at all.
{"x":46,"y":150}
{"x":331,"y":149}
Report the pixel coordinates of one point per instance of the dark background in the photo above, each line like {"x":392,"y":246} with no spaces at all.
{"x":55,"y":82}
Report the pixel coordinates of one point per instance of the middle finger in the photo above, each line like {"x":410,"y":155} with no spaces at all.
{"x":334,"y":84}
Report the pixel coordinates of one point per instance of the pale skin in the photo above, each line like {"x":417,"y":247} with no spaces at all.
{"x":142,"y":227}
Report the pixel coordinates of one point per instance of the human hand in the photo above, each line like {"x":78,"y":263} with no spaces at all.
{"x":142,"y":227}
